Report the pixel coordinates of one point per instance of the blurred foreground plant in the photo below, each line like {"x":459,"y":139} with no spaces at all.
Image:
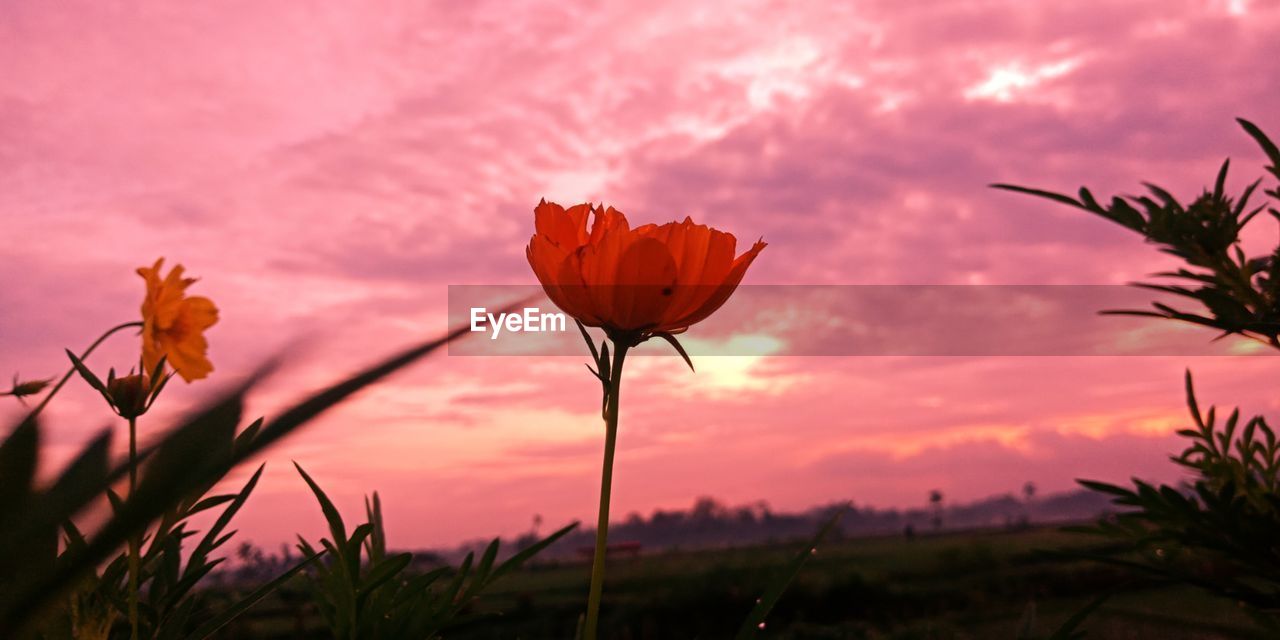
{"x":1219,"y":533}
{"x":362,"y":592}
{"x":46,"y":592}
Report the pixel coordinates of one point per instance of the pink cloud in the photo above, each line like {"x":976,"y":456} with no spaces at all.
{"x":329,"y":170}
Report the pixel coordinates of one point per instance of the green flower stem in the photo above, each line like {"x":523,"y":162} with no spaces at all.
{"x":606,"y":482}
{"x":135,"y":541}
{"x":83,"y":356}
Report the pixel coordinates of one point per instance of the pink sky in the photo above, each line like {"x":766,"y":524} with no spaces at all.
{"x":328,"y":170}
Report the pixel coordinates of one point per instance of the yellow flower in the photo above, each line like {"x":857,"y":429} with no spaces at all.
{"x":173,"y":325}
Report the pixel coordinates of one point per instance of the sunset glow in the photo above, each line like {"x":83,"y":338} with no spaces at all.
{"x":329,"y":171}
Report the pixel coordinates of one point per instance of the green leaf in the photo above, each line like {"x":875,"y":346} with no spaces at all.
{"x":1220,"y":184}
{"x":1191,"y":399}
{"x":383,"y":571}
{"x":211,"y":627}
{"x":678,"y":347}
{"x":486,"y":560}
{"x":1068,"y":629}
{"x":210,"y":540}
{"x":157,"y":373}
{"x":591,"y":344}
{"x":180,"y":460}
{"x":80,"y":483}
{"x":376,"y":546}
{"x":18,"y":457}
{"x":246,"y":438}
{"x":87,"y":374}
{"x":418,"y":585}
{"x":1040,"y":193}
{"x":337,"y":529}
{"x":351,"y":550}
{"x":455,"y":586}
{"x":330,"y":396}
{"x":773,"y":593}
{"x":1102,"y":487}
{"x":209,"y":503}
{"x":1263,"y":141}
{"x":525,"y":554}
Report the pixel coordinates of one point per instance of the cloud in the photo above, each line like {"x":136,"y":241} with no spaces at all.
{"x":327,"y":171}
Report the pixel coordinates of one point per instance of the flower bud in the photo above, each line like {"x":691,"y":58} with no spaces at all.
{"x":128,"y":395}
{"x":26,"y":388}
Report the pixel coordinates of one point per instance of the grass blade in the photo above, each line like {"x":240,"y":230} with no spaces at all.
{"x":520,"y":558}
{"x":337,"y":528}
{"x":209,"y":628}
{"x":1068,"y":629}
{"x":325,"y":399}
{"x":755,"y":620}
{"x":18,"y":456}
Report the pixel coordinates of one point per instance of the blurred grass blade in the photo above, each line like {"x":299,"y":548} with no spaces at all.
{"x":29,"y":525}
{"x":211,"y":627}
{"x":18,"y":457}
{"x":195,"y":455}
{"x":80,"y":482}
{"x":318,"y":403}
{"x":755,"y":620}
{"x":185,"y":458}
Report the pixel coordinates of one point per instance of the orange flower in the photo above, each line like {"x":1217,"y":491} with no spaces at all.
{"x":634,"y":283}
{"x":173,"y":325}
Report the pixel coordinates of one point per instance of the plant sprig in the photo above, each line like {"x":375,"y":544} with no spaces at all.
{"x":1240,"y":293}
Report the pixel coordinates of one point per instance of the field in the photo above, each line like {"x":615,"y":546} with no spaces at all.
{"x":957,"y":585}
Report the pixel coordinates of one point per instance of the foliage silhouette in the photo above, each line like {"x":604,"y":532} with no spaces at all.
{"x":44,"y":592}
{"x":364,"y":592}
{"x":1240,"y":294}
{"x":1219,"y":532}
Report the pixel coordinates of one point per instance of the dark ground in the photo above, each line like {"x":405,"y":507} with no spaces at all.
{"x":958,"y":585}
